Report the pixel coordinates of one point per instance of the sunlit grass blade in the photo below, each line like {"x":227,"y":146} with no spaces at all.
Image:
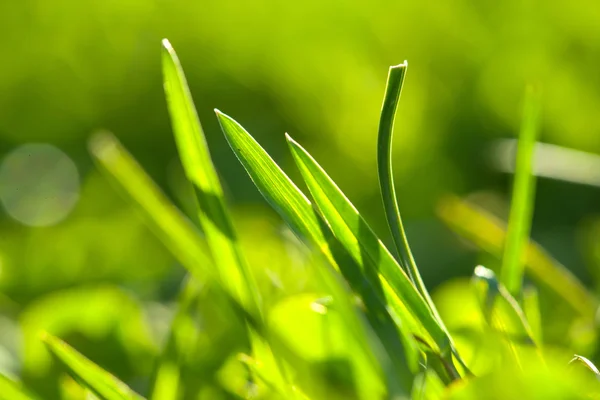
{"x":257,"y":370}
{"x":11,"y":390}
{"x":303,"y":219}
{"x":100,"y":382}
{"x":519,"y":222}
{"x":168,"y":223}
{"x":367,"y":250}
{"x":488,"y":233}
{"x":386,"y":179}
{"x":199,"y":168}
{"x":500,"y":309}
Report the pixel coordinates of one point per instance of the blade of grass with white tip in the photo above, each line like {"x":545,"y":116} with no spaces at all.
{"x":199,"y":168}
{"x":11,"y":390}
{"x":359,"y":239}
{"x":386,"y":179}
{"x":581,"y":360}
{"x":488,"y":233}
{"x":519,"y":222}
{"x":303,"y":219}
{"x":91,"y":376}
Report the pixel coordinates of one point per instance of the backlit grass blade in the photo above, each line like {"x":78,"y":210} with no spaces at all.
{"x":100,"y":382}
{"x":488,"y":233}
{"x":199,"y":168}
{"x":170,"y":225}
{"x":386,"y":179}
{"x":10,"y":390}
{"x":364,"y":246}
{"x":519,"y":222}
{"x":303,"y":219}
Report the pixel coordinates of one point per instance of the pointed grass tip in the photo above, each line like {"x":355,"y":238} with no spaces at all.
{"x":167,"y":45}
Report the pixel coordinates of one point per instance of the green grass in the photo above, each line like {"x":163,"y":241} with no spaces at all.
{"x":368,"y":329}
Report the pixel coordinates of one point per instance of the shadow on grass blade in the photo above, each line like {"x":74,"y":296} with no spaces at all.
{"x":197,"y":163}
{"x":100,"y":382}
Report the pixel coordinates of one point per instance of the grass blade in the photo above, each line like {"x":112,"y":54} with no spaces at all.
{"x":531,"y":308}
{"x":488,"y":233}
{"x":213,"y":215}
{"x":581,"y":360}
{"x":100,"y":382}
{"x":11,"y":390}
{"x":386,"y":180}
{"x":519,"y":222}
{"x":364,"y":246}
{"x":169,"y":224}
{"x":303,"y":219}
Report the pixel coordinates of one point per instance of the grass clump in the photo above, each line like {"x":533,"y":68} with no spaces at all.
{"x":369,"y":329}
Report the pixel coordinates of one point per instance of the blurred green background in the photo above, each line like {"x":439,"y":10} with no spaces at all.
{"x":76,"y":259}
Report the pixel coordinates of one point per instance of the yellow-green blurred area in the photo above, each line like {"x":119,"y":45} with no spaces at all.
{"x":77,"y":260}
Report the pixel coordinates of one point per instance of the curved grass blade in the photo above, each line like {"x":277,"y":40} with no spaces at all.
{"x":386,"y":180}
{"x":521,"y":210}
{"x":11,"y":390}
{"x":488,"y":233}
{"x":367,"y":250}
{"x":100,"y":382}
{"x":581,"y":360}
{"x":303,"y":219}
{"x":195,"y":156}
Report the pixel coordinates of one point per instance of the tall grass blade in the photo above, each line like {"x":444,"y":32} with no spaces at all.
{"x":489,"y":233}
{"x":100,"y":382}
{"x":519,"y":222}
{"x":367,"y":250}
{"x":213,"y":214}
{"x":386,"y":179}
{"x":11,"y":390}
{"x":303,"y":219}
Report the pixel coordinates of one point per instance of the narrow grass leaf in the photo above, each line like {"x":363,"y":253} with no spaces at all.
{"x":100,"y":382}
{"x":11,"y":390}
{"x":488,"y":233}
{"x":170,"y":225}
{"x":519,"y":222}
{"x":367,"y":250}
{"x":303,"y":219}
{"x":386,"y":179}
{"x":199,"y":168}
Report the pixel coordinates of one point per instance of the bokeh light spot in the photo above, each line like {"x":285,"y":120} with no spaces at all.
{"x":39,"y":184}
